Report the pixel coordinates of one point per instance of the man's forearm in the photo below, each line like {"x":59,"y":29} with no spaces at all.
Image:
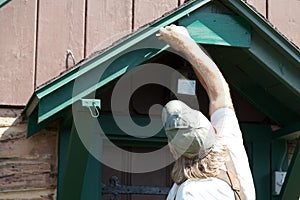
{"x":208,"y":72}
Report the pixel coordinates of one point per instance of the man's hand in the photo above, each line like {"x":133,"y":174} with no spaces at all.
{"x":175,"y":36}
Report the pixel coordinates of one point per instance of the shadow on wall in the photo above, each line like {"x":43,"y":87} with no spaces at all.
{"x":28,"y":166}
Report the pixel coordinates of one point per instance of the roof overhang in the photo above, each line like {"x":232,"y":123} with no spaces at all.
{"x":273,"y":54}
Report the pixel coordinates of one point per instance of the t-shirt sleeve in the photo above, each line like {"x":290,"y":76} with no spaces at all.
{"x":227,"y":126}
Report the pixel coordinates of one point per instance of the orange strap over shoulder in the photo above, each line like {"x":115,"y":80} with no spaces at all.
{"x":230,"y":177}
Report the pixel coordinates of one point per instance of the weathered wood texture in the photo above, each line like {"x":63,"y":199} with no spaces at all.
{"x":146,"y":11}
{"x":17,"y":51}
{"x":60,"y":27}
{"x":285,"y":17}
{"x":28,"y":166}
{"x":259,"y":5}
{"x":37,"y":34}
{"x":107,"y":21}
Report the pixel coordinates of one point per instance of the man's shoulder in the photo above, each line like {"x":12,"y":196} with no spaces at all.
{"x":205,"y":188}
{"x":222,"y":113}
{"x":205,"y":182}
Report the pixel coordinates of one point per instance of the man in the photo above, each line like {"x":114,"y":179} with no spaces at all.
{"x":201,"y":146}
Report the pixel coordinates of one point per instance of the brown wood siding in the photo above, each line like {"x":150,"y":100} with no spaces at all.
{"x":17,"y":51}
{"x":36,"y":34}
{"x":106,"y":22}
{"x":146,"y":11}
{"x":60,"y":27}
{"x":259,"y":5}
{"x":285,"y":17}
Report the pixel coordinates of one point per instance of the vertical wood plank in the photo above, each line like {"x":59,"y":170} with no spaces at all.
{"x":283,"y":14}
{"x":107,"y":21}
{"x":17,"y":42}
{"x":146,"y":11}
{"x":60,"y":27}
{"x":259,"y":5}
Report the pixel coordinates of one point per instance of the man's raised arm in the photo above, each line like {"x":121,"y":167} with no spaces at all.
{"x":205,"y":69}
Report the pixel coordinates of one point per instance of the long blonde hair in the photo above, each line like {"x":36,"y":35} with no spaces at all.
{"x":196,"y":168}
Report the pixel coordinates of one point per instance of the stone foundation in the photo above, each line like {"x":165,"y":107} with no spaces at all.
{"x":28,"y":166}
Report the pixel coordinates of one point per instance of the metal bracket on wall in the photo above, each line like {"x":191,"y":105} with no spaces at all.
{"x":92,"y":103}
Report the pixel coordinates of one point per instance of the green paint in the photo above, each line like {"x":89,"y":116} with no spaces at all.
{"x":259,"y":23}
{"x":3,"y":2}
{"x":74,"y":169}
{"x":91,"y":188}
{"x":284,"y":70}
{"x":290,"y":189}
{"x":258,"y":147}
{"x":63,"y":144}
{"x":248,"y":87}
{"x":217,"y":29}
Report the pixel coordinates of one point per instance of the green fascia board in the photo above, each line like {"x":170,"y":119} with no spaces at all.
{"x":3,"y":2}
{"x":217,"y":29}
{"x":286,"y":71}
{"x":46,"y":99}
{"x":290,"y":188}
{"x":74,"y":168}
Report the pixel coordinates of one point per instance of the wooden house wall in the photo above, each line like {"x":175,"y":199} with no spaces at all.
{"x":36,"y":34}
{"x":28,"y":166}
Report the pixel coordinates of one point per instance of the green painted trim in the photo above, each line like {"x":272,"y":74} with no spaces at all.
{"x":217,"y":29}
{"x":253,"y":92}
{"x":92,"y":184}
{"x":262,"y":25}
{"x":66,"y":96}
{"x":258,"y":146}
{"x":290,"y":189}
{"x":74,"y":169}
{"x":30,"y":106}
{"x":32,"y":125}
{"x":3,"y":2}
{"x":63,"y":144}
{"x":286,"y":71}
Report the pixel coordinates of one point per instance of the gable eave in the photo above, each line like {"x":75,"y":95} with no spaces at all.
{"x":48,"y":99}
{"x":263,"y":26}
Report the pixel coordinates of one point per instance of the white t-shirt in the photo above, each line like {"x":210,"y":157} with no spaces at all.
{"x":226,"y":123}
